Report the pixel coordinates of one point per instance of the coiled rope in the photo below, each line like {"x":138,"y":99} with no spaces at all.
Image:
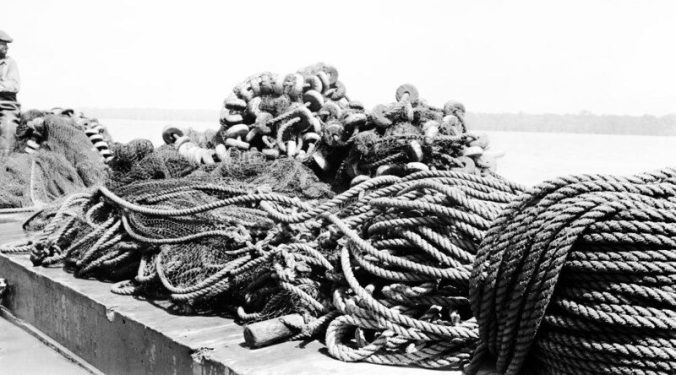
{"x":388,"y":259}
{"x":577,"y":277}
{"x":405,"y":256}
{"x":574,"y":276}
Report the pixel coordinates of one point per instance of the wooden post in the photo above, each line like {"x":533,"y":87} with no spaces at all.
{"x":270,"y":331}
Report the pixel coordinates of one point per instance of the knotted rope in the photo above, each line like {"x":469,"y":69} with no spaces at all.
{"x":405,"y":256}
{"x":388,"y":259}
{"x":574,"y":276}
{"x":577,"y":277}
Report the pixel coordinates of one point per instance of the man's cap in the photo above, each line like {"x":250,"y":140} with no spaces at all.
{"x":4,"y":37}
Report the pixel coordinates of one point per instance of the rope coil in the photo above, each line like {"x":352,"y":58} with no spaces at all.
{"x":389,"y":258}
{"x":576,"y":277}
{"x":428,"y":259}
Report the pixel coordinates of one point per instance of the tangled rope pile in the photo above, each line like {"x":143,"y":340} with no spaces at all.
{"x":420,"y":255}
{"x":610,"y":310}
{"x":405,"y":254}
{"x":206,"y":246}
{"x":577,"y":277}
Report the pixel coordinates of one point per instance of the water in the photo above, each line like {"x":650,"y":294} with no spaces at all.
{"x":529,"y":157}
{"x":533,"y":157}
{"x":21,"y":353}
{"x":126,"y":130}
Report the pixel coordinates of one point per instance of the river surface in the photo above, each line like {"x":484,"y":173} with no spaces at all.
{"x":21,"y":353}
{"x":529,"y":157}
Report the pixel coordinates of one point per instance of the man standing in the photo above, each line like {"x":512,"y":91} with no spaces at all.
{"x":9,"y":87}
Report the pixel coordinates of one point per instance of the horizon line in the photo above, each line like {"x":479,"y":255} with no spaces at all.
{"x":579,"y":113}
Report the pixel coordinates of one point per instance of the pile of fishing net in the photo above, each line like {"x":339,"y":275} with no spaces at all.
{"x":403,"y":248}
{"x":411,"y":135}
{"x":139,"y":161}
{"x":389,"y":258}
{"x":216,"y":221}
{"x":53,"y":157}
{"x":308,"y":117}
{"x":279,"y":115}
{"x":387,"y":270}
{"x":216,"y":226}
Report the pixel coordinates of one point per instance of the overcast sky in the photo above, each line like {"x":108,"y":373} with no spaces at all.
{"x":608,"y":57}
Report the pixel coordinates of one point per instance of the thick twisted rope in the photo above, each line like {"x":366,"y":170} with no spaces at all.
{"x":405,"y":256}
{"x":415,"y":234}
{"x":576,"y":277}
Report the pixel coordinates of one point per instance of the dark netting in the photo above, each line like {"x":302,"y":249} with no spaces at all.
{"x":161,"y":163}
{"x":129,"y":154}
{"x":15,"y":191}
{"x":573,"y":276}
{"x":58,"y":160}
{"x":137,"y":161}
{"x":362,"y":224}
{"x":241,"y":166}
{"x":287,"y":176}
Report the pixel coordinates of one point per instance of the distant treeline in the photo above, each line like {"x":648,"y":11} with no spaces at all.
{"x":578,"y":123}
{"x":153,"y":114}
{"x":583,"y":122}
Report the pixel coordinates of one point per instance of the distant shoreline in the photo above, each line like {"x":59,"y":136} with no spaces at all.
{"x":580,"y":123}
{"x":585,"y":123}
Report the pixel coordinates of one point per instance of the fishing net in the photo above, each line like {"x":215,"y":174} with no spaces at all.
{"x":394,"y":249}
{"x":278,"y":116}
{"x":16,"y":181}
{"x":58,"y":161}
{"x":362,"y":224}
{"x":138,"y":161}
{"x":410,"y":135}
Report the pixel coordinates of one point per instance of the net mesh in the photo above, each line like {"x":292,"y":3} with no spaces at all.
{"x":65,"y":163}
{"x":260,"y":236}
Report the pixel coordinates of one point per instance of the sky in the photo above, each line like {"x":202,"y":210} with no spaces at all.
{"x":607,"y":57}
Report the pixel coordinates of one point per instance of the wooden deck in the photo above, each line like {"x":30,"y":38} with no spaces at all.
{"x":126,"y":335}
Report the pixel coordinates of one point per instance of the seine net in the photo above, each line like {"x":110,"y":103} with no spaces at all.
{"x":251,"y":229}
{"x":65,"y":163}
